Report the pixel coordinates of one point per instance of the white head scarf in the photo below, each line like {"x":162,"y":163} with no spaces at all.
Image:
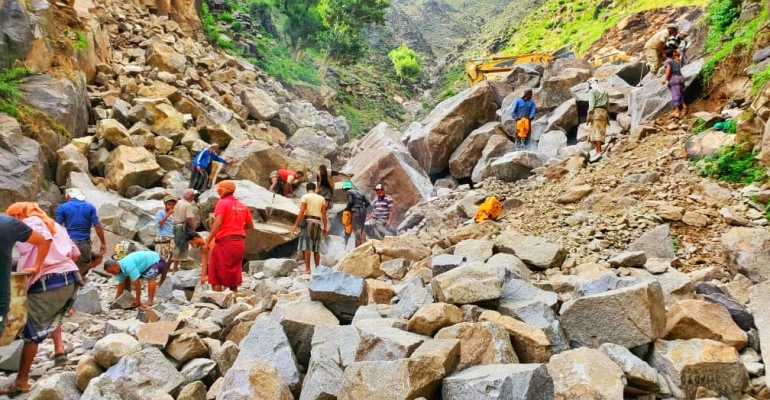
{"x":76,"y":194}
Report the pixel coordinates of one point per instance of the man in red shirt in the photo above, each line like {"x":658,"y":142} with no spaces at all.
{"x":228,"y":233}
{"x":283,"y":181}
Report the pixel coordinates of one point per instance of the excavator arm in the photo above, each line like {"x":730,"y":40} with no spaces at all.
{"x":476,"y":70}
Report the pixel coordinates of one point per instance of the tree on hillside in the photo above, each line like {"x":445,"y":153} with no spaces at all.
{"x":344,"y":21}
{"x":406,"y":62}
{"x":303,"y":25}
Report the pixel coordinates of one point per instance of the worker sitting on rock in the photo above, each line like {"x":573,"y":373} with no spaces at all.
{"x":135,"y":267}
{"x":654,"y":48}
{"x":201,"y":167}
{"x":598,"y":117}
{"x":523,"y":112}
{"x":284,"y":181}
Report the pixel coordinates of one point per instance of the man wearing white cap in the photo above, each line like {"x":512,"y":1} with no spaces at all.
{"x":653,"y":49}
{"x":78,"y":216}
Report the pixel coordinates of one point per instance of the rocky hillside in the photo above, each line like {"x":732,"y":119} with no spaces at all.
{"x":643,"y":275}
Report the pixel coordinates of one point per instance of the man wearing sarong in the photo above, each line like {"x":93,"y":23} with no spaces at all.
{"x":78,"y":216}
{"x":138,"y":266}
{"x":357,"y":205}
{"x":51,"y":288}
{"x":312,"y":214}
{"x":184,"y":223}
{"x":164,"y":221}
{"x":228,"y":234}
{"x":523,"y":112}
{"x":675,"y":82}
{"x":378,"y":224}
{"x":598,"y":117}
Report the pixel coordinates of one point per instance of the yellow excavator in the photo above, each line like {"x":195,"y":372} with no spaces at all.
{"x":480,"y":69}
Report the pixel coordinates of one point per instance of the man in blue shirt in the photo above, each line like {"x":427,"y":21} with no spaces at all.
{"x":201,"y":167}
{"x":78,"y":216}
{"x":523,"y":112}
{"x":144,"y":265}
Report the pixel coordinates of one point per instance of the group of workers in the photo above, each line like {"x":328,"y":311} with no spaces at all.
{"x":665,"y":49}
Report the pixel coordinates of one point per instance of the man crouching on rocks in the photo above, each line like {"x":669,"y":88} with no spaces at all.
{"x":144,"y":265}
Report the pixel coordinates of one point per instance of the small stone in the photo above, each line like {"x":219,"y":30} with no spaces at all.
{"x":630,"y":259}
{"x":186,"y":347}
{"x":86,"y":370}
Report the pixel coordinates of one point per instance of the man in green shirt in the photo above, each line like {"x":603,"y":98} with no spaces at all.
{"x":598,"y":117}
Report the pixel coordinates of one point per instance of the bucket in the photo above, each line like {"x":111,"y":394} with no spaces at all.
{"x":17,"y":312}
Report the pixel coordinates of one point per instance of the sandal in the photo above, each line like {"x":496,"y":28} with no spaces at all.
{"x":11,"y":390}
{"x":59,"y":359}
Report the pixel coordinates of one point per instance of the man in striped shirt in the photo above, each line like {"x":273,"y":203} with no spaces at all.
{"x":378,"y":224}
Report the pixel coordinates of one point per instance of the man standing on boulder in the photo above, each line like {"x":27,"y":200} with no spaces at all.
{"x":312,"y":213}
{"x":283,"y":181}
{"x":227,"y":239}
{"x":201,"y":167}
{"x":656,"y":45}
{"x":184,"y":222}
{"x":523,"y":112}
{"x":378,"y":224}
{"x":78,"y":216}
{"x":357,"y":205}
{"x":598,"y":117}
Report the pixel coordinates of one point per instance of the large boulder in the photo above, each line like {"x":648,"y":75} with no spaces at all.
{"x":383,"y":159}
{"x":688,"y":365}
{"x":378,"y":343}
{"x":530,"y":343}
{"x":341,"y":293}
{"x":535,"y":251}
{"x":129,"y":166}
{"x":299,"y":320}
{"x":563,"y":118}
{"x":497,"y":145}
{"x":656,"y":243}
{"x":480,"y":343}
{"x":586,"y":374}
{"x":110,"y":349}
{"x":23,"y":171}
{"x":512,"y":167}
{"x":63,"y":99}
{"x":538,"y":313}
{"x":322,"y":381}
{"x":551,"y":142}
{"x":638,"y":373}
{"x":433,"y":317}
{"x":410,"y":299}
{"x":760,"y":295}
{"x":254,"y":380}
{"x":312,"y":140}
{"x":653,"y":99}
{"x":113,"y":132}
{"x":163,"y":57}
{"x":404,"y":379}
{"x":593,"y":320}
{"x":260,"y":104}
{"x":500,"y":382}
{"x":747,"y":251}
{"x":57,"y":387}
{"x":144,"y":375}
{"x":448,"y":125}
{"x":556,"y":87}
{"x":363,"y":261}
{"x":70,"y":160}
{"x":697,"y":319}
{"x":335,"y":342}
{"x":255,"y":159}
{"x":467,"y":284}
{"x":467,"y":154}
{"x":706,"y":144}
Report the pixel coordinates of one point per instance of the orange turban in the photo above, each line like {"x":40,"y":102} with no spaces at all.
{"x":225,"y":187}
{"x":24,"y":210}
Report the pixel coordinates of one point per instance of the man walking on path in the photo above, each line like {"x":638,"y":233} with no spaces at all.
{"x":228,"y":237}
{"x":184,"y":222}
{"x":312,"y":214}
{"x":135,"y":267}
{"x":78,"y":216}
{"x":378,"y":224}
{"x":164,"y":219}
{"x":653,"y":49}
{"x":357,"y":205}
{"x":201,"y":167}
{"x":598,"y":117}
{"x":523,"y":112}
{"x":283,"y":181}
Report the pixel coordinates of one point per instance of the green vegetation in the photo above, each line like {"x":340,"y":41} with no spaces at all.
{"x":406,"y":62}
{"x":80,"y":42}
{"x":741,"y":36}
{"x":699,"y":126}
{"x":276,"y":60}
{"x":721,"y":14}
{"x":759,"y":80}
{"x":301,"y":25}
{"x":732,"y":164}
{"x":9,"y":93}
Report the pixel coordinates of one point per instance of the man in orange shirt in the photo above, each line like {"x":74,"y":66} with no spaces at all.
{"x":229,"y":234}
{"x":283,"y":181}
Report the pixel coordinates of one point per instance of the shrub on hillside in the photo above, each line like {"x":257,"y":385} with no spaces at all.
{"x":406,"y":62}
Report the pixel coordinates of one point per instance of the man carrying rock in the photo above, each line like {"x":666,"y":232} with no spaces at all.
{"x":598,"y":117}
{"x":228,"y":237}
{"x":78,"y":216}
{"x":357,"y":205}
{"x":184,"y":223}
{"x":523,"y":112}
{"x":312,"y":213}
{"x":378,"y":224}
{"x":283,"y":181}
{"x":201,"y":167}
{"x":653,"y":49}
{"x":135,"y":267}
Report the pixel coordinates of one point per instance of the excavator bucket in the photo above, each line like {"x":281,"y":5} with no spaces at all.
{"x":17,"y":312}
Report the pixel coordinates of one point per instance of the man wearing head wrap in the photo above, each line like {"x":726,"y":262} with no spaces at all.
{"x":164,"y":221}
{"x":227,"y":237}
{"x":78,"y":216}
{"x":653,"y":49}
{"x":184,"y":222}
{"x":51,"y":289}
{"x":598,"y":116}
